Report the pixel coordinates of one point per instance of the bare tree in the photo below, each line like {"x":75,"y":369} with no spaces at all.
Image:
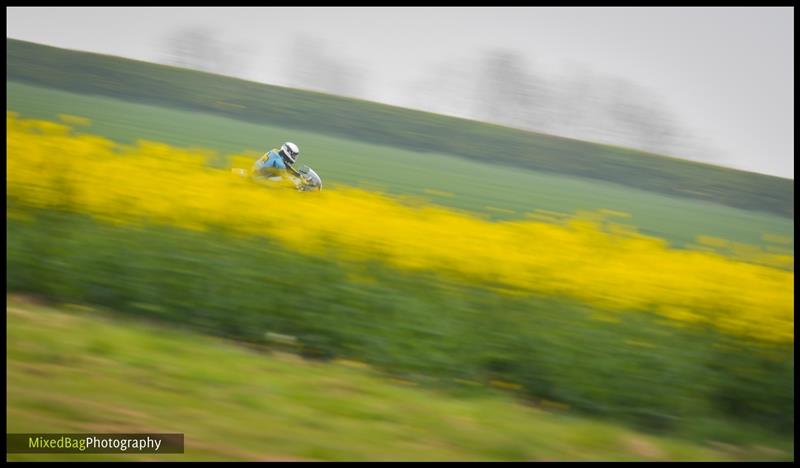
{"x":199,"y":48}
{"x":447,"y":88}
{"x":576,"y":103}
{"x":502,"y":91}
{"x":638,"y":118}
{"x":579,"y":103}
{"x":614,"y":110}
{"x":509,"y":93}
{"x":311,"y":67}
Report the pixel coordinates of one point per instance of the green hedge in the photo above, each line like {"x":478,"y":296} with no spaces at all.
{"x":418,"y":326}
{"x":168,"y":86}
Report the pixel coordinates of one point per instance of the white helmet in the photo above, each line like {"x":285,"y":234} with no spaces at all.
{"x":290,"y":151}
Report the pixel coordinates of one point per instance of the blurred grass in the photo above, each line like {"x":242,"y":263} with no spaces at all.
{"x":78,"y":369}
{"x":496,"y":192}
{"x":639,"y":369}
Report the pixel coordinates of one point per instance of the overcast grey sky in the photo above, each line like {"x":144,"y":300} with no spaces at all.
{"x":726,"y":73}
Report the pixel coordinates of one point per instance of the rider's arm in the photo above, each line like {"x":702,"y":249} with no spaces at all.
{"x":292,"y":170}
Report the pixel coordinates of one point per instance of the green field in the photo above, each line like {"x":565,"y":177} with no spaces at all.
{"x":80,"y":369}
{"x":370,"y":122}
{"x":498,"y":192}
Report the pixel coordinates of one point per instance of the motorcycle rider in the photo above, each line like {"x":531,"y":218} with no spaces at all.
{"x":275,"y":163}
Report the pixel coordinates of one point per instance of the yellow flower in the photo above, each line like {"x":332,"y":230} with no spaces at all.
{"x":586,"y":257}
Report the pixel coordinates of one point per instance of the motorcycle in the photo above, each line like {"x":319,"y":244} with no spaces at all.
{"x":308,"y":180}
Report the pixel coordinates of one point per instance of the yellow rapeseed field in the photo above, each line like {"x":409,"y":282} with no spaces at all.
{"x":607,"y":266}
